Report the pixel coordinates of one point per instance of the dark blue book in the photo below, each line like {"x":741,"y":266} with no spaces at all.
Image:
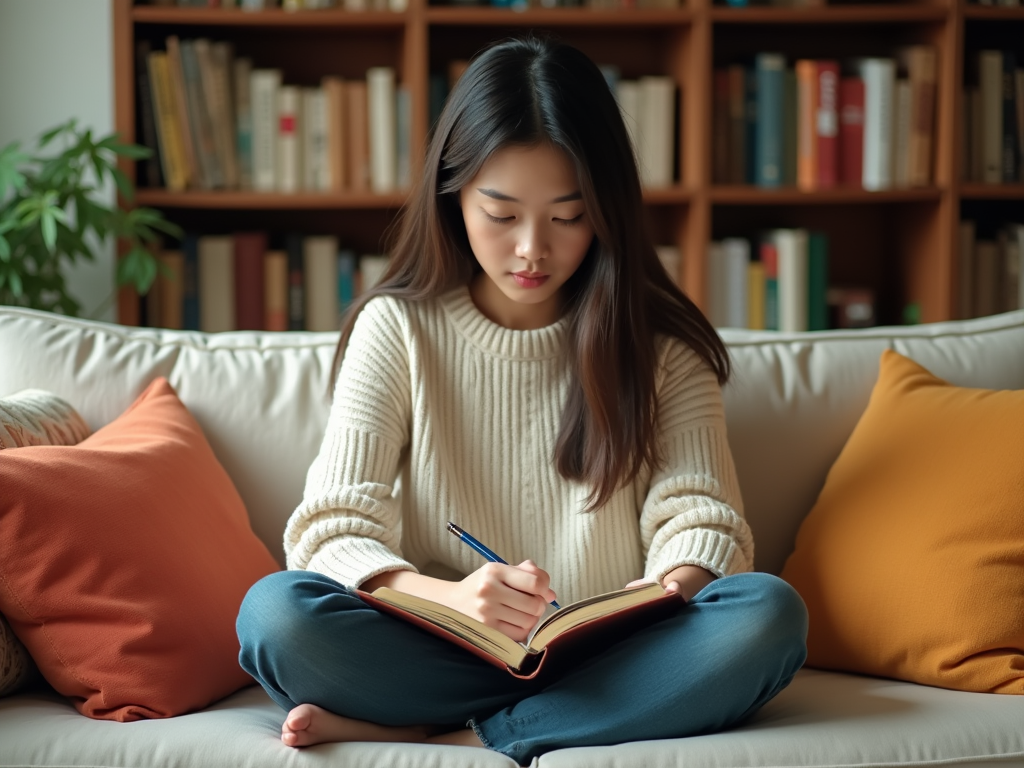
{"x":750,"y":137}
{"x":768,"y":148}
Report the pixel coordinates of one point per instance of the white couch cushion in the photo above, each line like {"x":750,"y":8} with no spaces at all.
{"x":821,"y":719}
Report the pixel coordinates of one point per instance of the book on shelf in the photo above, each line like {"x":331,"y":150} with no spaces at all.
{"x":149,"y":169}
{"x":219,"y":121}
{"x":778,"y":283}
{"x":993,"y":123}
{"x":648,"y":107}
{"x":252,"y":280}
{"x":560,"y":636}
{"x":823,"y":123}
{"x":989,"y":270}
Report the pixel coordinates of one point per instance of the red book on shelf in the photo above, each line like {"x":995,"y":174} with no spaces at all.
{"x":851,"y":131}
{"x":249,"y":250}
{"x":827,"y":123}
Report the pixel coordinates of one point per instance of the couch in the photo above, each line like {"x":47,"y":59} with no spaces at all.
{"x":261,"y":400}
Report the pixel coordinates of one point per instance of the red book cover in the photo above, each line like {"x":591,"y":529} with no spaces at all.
{"x":249,"y":250}
{"x":827,"y":124}
{"x":851,"y":131}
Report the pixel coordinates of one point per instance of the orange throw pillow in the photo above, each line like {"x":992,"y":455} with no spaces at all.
{"x":912,"y":560}
{"x":123,"y":561}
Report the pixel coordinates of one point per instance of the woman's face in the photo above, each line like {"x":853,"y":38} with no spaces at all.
{"x":528,"y":230}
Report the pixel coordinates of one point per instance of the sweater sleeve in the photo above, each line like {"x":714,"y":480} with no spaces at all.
{"x":693,"y":513}
{"x":347,"y":526}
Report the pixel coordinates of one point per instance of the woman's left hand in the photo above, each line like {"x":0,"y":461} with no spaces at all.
{"x":687,"y":580}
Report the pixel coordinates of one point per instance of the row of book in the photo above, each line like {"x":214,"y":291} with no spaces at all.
{"x":250,"y":281}
{"x":867,"y":122}
{"x":217,"y":122}
{"x":290,"y":5}
{"x":779,"y":281}
{"x":992,"y":130}
{"x":990,"y":267}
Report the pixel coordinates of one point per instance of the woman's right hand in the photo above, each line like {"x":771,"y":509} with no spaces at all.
{"x":509,"y":598}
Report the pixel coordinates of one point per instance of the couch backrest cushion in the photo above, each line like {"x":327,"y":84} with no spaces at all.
{"x":261,"y":398}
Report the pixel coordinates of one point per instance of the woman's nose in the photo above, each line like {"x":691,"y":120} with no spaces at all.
{"x":531,"y":244}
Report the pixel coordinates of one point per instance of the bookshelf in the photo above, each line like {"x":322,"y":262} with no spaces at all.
{"x":901,"y":243}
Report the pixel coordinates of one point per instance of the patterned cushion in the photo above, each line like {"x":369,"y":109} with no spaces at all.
{"x":31,"y":417}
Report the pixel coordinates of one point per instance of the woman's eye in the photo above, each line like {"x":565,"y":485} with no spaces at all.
{"x":572,"y":221}
{"x":498,"y":219}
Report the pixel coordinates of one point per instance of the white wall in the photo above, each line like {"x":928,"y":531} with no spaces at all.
{"x":56,"y":62}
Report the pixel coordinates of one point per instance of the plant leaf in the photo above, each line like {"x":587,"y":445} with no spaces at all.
{"x":14,"y":280}
{"x":53,"y":133}
{"x":5,"y":249}
{"x":47,"y":222}
{"x":123,"y":185}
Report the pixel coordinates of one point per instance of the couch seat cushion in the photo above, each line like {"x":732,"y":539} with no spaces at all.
{"x":821,"y":719}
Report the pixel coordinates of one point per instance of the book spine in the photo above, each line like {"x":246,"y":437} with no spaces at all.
{"x":249,"y":248}
{"x":737,"y":259}
{"x":817,"y":282}
{"x":190,"y":282}
{"x":769,"y":68}
{"x":264,"y":85}
{"x":380,"y":87}
{"x":792,"y":251}
{"x":403,"y":128}
{"x":827,"y":124}
{"x":346,"y":280}
{"x":170,"y":286}
{"x":216,"y":283}
{"x":656,"y":121}
{"x":334,"y":88}
{"x":737,"y":124}
{"x":720,"y":149}
{"x":965,"y":270}
{"x":199,"y":116}
{"x":1009,"y":91}
{"x":901,"y":134}
{"x":879,"y":85}
{"x":358,"y":135}
{"x":320,"y":265}
{"x":180,"y":98}
{"x":372,"y":267}
{"x":223,"y":110}
{"x":770,"y":259}
{"x":807,"y":98}
{"x":171,"y":153}
{"x":1019,"y":91}
{"x":923,"y":69}
{"x":717,"y":303}
{"x":990,"y":80}
{"x":150,"y":175}
{"x":242,"y":80}
{"x":296,"y":286}
{"x":851,"y":118}
{"x":756,"y":291}
{"x":289,"y":155}
{"x":790,"y":138}
{"x":275,"y":286}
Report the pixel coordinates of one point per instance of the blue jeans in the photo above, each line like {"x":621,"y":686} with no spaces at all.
{"x":308,"y":639}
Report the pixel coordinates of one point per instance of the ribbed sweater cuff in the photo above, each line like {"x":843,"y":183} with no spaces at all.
{"x":710,"y":549}
{"x":351,"y":560}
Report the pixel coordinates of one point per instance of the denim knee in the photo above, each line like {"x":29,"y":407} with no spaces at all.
{"x":274,"y":616}
{"x":779,"y":615}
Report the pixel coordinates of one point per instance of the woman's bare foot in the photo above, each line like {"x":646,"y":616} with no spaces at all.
{"x":308,"y":724}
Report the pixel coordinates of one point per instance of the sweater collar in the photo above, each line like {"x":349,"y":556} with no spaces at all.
{"x":497,"y":340}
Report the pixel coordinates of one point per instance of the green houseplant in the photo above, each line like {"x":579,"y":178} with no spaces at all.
{"x":50,"y":217}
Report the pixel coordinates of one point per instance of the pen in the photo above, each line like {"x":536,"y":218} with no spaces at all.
{"x":480,"y":548}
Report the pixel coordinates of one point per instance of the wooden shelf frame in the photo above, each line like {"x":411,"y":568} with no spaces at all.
{"x":921,"y":260}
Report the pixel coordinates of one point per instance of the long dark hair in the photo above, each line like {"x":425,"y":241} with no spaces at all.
{"x":524,"y":92}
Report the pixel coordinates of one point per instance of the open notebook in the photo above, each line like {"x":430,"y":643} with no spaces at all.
{"x":606,"y":617}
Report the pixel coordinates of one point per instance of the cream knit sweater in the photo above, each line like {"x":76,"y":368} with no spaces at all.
{"x":440,"y":414}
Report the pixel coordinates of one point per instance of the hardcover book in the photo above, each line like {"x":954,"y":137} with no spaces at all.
{"x":595,"y":622}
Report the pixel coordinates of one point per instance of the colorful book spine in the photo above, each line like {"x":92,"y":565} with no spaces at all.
{"x":275,"y":291}
{"x":769,"y":69}
{"x":826,"y":123}
{"x":817,"y":281}
{"x":851,"y":131}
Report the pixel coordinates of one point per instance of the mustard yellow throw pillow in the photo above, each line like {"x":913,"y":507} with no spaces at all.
{"x":912,"y":560}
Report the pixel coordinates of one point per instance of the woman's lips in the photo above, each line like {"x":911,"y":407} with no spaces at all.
{"x":528,"y":280}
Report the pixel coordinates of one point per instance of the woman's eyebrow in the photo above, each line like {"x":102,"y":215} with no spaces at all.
{"x":502,"y":196}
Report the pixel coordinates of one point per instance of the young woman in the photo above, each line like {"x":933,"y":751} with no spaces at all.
{"x":528,"y":370}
